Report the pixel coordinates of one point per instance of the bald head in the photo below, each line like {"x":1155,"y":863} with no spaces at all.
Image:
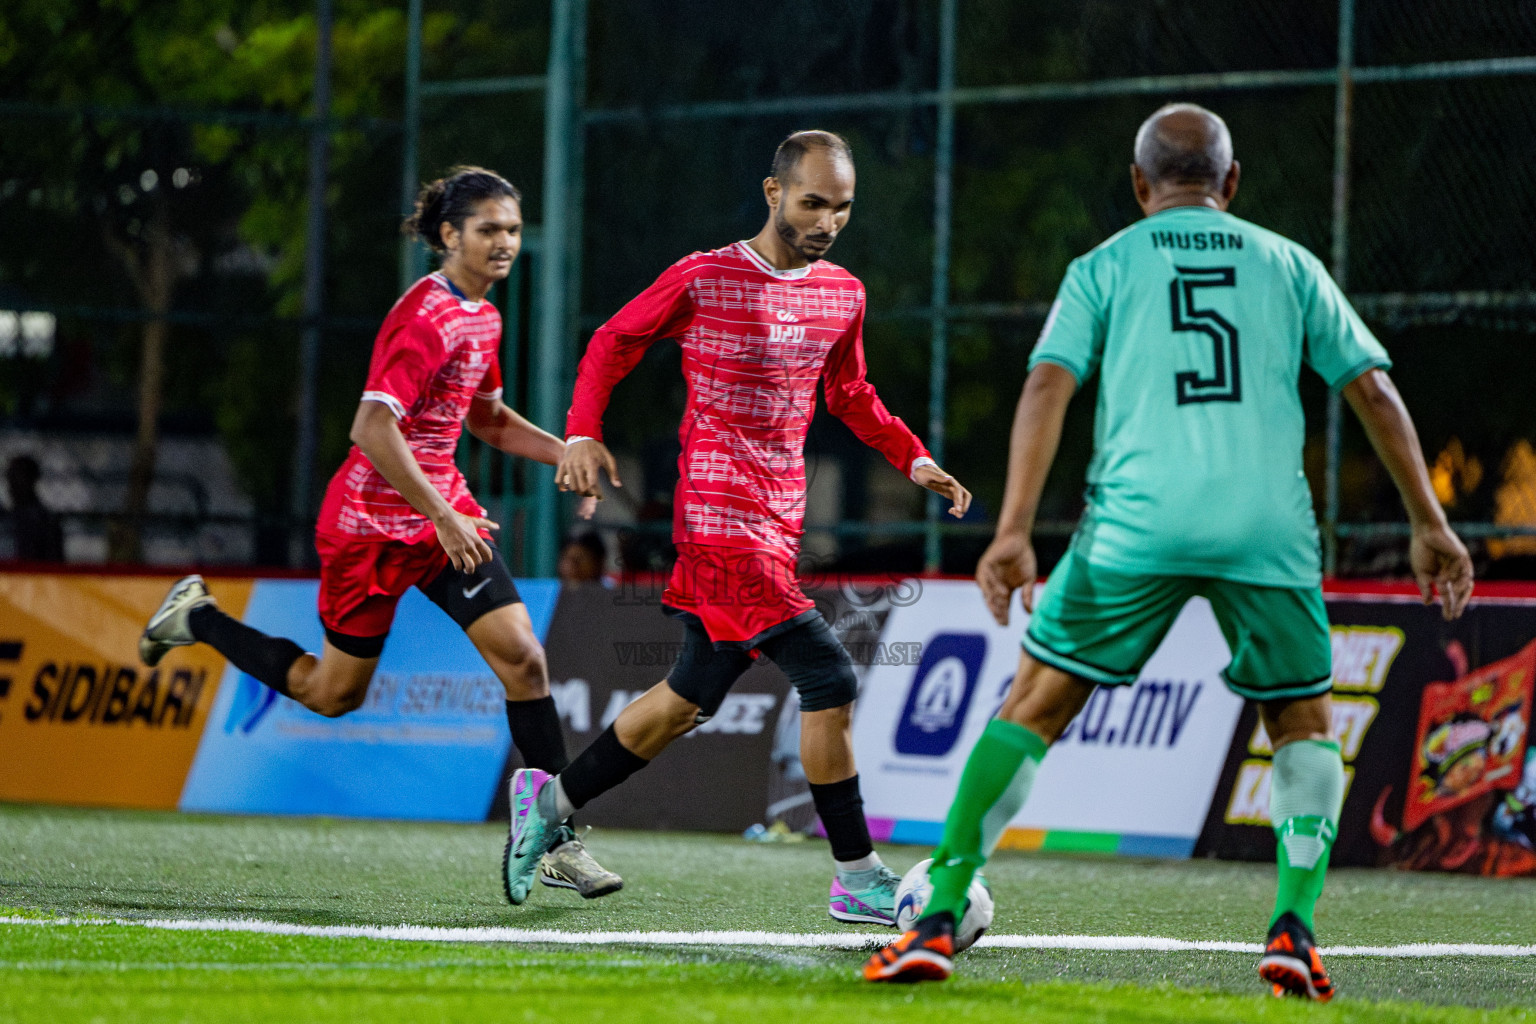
{"x":1184,"y":144}
{"x":786,"y":159}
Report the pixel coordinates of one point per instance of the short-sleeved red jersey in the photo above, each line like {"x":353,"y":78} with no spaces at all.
{"x":755,"y":341}
{"x":435,"y":354}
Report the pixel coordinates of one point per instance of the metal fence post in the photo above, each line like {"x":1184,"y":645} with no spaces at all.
{"x":1343,"y":127}
{"x":410,"y":123}
{"x":548,"y":370}
{"x":943,"y":196}
{"x":314,"y":293}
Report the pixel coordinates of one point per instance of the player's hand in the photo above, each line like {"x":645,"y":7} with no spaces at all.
{"x":580,"y":465}
{"x":940,"y":482}
{"x":586,"y":508}
{"x":459,"y":535}
{"x":1440,"y":562}
{"x":1007,"y":565}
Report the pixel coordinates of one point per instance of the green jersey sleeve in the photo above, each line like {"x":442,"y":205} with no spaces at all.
{"x":1073,"y":335}
{"x":1339,"y":345}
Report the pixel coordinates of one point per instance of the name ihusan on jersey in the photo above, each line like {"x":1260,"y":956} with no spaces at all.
{"x":1198,"y":240}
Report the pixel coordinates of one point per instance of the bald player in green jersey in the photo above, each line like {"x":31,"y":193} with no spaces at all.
{"x":1198,"y":324}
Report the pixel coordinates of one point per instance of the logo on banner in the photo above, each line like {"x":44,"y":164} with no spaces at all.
{"x":252,"y":701}
{"x":940,"y":694}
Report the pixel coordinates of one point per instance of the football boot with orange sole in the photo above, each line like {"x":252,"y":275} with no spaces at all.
{"x":926,"y":953}
{"x":1291,"y":964}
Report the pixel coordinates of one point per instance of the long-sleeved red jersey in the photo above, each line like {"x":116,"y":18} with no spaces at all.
{"x":755,"y":340}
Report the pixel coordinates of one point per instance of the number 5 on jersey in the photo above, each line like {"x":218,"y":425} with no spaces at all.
{"x":1225,"y":384}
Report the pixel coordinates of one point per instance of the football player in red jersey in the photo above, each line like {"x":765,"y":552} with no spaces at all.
{"x":398,"y":514}
{"x":760,"y":322}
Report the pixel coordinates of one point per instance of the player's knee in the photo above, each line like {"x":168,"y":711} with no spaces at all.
{"x":525,"y":669}
{"x":697,"y":702}
{"x":827,"y":687}
{"x":527,"y":657}
{"x":337,"y":703}
{"x":817,"y":664}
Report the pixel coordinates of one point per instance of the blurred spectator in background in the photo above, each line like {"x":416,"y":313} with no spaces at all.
{"x":582,"y":559}
{"x":39,"y":537}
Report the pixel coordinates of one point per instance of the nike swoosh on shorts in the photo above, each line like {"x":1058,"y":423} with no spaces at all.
{"x":470,"y":592}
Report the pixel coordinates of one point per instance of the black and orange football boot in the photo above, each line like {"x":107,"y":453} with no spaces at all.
{"x":1291,"y":964}
{"x":926,"y":953}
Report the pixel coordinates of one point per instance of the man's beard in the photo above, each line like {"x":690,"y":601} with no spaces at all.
{"x":792,"y":239}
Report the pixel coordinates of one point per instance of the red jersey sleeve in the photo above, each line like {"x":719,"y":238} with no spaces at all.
{"x":661,"y":311}
{"x":852,"y":399}
{"x":490,"y":384}
{"x":406,"y":357}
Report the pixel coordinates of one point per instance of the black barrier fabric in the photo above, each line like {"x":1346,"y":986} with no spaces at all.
{"x":1433,"y":719}
{"x":606,"y":646}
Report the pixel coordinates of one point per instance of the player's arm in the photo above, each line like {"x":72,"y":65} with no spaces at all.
{"x":1437,"y":556}
{"x":1067,"y":354}
{"x":661,"y":311}
{"x":1009,"y":561}
{"x":852,"y":399}
{"x":377,"y":434}
{"x":507,"y":430}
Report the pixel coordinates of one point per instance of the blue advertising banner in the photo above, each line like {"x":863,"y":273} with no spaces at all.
{"x":430,"y":742}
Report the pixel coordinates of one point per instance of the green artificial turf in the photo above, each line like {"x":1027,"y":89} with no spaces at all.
{"x":326,"y":872}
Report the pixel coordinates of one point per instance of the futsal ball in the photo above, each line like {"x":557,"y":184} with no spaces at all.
{"x":912,"y":897}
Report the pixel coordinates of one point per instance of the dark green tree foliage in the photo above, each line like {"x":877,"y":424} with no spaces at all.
{"x":1444,"y":190}
{"x":1444,"y":186}
{"x":199,"y":215}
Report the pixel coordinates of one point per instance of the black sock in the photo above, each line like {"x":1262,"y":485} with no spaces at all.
{"x":264,"y":658}
{"x":599,"y":768}
{"x":536,"y":734}
{"x":842,"y":814}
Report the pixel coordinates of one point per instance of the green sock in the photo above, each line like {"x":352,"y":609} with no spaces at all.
{"x":993,"y":788}
{"x":1306,"y":792}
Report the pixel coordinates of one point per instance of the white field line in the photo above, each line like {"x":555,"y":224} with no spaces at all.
{"x":803,"y":940}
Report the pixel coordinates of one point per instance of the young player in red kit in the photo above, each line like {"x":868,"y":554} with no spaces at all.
{"x":398,"y":514}
{"x":760,"y":323}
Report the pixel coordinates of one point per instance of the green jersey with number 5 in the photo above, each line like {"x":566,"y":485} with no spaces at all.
{"x":1198,"y":324}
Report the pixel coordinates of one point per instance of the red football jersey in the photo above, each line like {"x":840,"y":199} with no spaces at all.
{"x":755,"y":341}
{"x":434,"y":355}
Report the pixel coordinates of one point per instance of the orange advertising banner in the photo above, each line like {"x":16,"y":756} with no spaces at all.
{"x":82,"y":721}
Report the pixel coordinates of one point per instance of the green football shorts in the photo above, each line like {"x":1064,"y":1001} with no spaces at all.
{"x":1103,"y":624}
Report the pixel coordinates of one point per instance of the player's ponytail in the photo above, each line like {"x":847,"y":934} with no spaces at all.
{"x":453,"y":197}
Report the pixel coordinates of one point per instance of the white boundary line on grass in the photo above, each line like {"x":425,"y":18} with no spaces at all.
{"x":805,"y":940}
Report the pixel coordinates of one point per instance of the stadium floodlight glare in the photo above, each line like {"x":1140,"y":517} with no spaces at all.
{"x":37,"y":333}
{"x":27,"y":334}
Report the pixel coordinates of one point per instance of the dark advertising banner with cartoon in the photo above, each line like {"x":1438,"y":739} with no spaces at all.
{"x":606,"y":646}
{"x":1434,"y":720}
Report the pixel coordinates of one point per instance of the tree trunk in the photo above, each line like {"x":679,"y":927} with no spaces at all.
{"x":155,"y":278}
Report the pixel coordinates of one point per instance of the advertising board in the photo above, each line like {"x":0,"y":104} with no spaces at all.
{"x":607,"y":647}
{"x":81,"y":720}
{"x":429,"y":742}
{"x":1133,"y":774}
{"x":1433,"y":719}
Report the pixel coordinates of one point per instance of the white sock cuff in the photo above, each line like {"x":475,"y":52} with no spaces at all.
{"x":862,"y":864}
{"x":563,"y":806}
